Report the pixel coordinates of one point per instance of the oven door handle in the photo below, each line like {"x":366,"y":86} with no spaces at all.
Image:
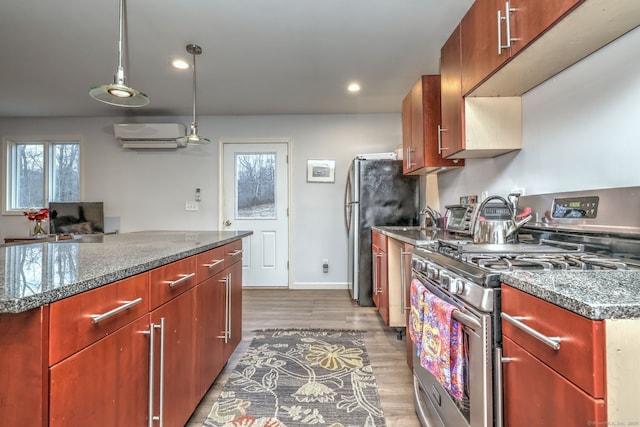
{"x":466,"y":320}
{"x":553,"y":342}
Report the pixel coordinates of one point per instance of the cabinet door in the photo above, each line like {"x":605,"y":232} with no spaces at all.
{"x":235,"y":304}
{"x":452,"y":105}
{"x":529,"y":19}
{"x":179,"y":362}
{"x":479,"y":34}
{"x":23,"y":367}
{"x":406,"y":272}
{"x":105,"y":384}
{"x":414,"y":151}
{"x":210,"y":310}
{"x":537,"y":396}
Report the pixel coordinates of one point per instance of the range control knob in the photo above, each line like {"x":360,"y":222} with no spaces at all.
{"x":456,"y":286}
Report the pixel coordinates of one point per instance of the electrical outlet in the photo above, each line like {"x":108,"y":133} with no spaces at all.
{"x":191,"y":206}
{"x":325,"y":265}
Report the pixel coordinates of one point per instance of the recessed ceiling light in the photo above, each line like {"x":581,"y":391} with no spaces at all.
{"x":180,"y":64}
{"x":353,"y":87}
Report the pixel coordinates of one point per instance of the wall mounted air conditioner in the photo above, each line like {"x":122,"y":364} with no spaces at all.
{"x":149,"y":135}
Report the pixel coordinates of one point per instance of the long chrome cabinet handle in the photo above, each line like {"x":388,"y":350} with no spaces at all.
{"x":403,"y":282}
{"x":440,"y":147}
{"x":225,"y":337}
{"x":507,"y":20}
{"x":499,"y":403}
{"x":553,"y":342}
{"x":184,"y":278}
{"x":234,"y":253}
{"x":409,"y":162}
{"x":127,"y":304}
{"x":214,"y":263}
{"x":152,"y":341}
{"x":229,"y":284}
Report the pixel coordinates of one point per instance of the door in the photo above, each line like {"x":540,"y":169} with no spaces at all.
{"x":255,"y":197}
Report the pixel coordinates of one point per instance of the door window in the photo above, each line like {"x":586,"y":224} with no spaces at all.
{"x":255,"y":186}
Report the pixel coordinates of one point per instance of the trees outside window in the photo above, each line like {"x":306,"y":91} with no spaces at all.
{"x":41,"y":171}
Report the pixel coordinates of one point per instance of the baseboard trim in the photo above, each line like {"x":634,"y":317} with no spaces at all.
{"x":320,"y":285}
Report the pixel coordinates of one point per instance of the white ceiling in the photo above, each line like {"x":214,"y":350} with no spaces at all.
{"x":259,"y":56}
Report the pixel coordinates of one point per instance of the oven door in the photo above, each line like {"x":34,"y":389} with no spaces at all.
{"x":434,"y":405}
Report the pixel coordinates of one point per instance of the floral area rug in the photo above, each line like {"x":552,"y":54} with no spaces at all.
{"x":291,"y":378}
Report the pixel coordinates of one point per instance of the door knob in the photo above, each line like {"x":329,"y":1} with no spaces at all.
{"x":227,"y":223}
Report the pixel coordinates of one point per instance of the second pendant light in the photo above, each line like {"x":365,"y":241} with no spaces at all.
{"x":193,"y":137}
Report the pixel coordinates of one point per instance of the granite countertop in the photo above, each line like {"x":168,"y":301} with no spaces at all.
{"x":597,"y":295}
{"x":415,"y":236}
{"x":35,"y":274}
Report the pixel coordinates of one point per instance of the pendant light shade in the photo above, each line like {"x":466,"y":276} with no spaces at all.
{"x":118,"y":93}
{"x":193,"y":137}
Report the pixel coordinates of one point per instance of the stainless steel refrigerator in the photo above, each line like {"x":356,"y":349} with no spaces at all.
{"x":376,"y":194}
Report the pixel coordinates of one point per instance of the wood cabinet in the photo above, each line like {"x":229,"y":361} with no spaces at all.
{"x":234,"y":293}
{"x":474,"y":127}
{"x":451,"y":102}
{"x":421,"y":120}
{"x":380,"y":274}
{"x":493,"y":31}
{"x":545,"y":386}
{"x":406,"y":277}
{"x":174,"y":364}
{"x":106,"y":383}
{"x":24,"y":339}
{"x":148,"y":344}
{"x":98,"y":355}
{"x":210,"y":311}
{"x":549,"y":36}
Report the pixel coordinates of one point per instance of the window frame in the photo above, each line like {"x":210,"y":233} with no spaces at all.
{"x":8,"y":146}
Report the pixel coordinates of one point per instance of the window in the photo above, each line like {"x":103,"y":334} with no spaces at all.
{"x":41,"y":171}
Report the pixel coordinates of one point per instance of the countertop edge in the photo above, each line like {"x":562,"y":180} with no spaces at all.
{"x":595,"y":295}
{"x":19,"y":305}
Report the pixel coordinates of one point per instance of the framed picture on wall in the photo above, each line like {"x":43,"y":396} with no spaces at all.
{"x":321,"y":170}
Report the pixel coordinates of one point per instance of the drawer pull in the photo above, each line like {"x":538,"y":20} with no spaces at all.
{"x":214,"y":263}
{"x":553,"y":342}
{"x":184,"y":277}
{"x":127,"y":304}
{"x":234,"y":253}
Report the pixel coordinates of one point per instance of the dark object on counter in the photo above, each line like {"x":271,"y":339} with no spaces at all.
{"x":377,"y":194}
{"x":76,"y":217}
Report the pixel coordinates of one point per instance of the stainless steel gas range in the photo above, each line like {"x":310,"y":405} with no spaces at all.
{"x":587,"y":230}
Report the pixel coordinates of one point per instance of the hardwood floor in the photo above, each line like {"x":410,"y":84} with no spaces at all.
{"x":274,"y":308}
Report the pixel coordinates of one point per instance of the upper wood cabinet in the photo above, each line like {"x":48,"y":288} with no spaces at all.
{"x":494,"y":30}
{"x":452,"y":104}
{"x":548,"y":36}
{"x":420,"y":121}
{"x":474,"y":127}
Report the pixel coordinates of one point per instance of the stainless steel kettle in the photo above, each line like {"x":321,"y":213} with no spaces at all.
{"x":496,"y":231}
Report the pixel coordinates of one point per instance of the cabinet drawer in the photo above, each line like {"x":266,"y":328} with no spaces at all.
{"x":379,"y":240}
{"x":210,"y":263}
{"x":581,"y":355}
{"x":169,"y":281}
{"x":82,"y":319}
{"x":232,"y":253}
{"x":537,"y":396}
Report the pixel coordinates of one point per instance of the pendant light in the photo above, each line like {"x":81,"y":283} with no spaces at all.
{"x":193,"y":137}
{"x":118,"y":93}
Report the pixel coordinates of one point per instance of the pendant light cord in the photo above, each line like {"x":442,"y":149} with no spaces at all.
{"x":120,"y":40}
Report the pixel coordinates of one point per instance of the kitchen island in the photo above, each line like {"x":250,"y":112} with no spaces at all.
{"x":108,"y":329}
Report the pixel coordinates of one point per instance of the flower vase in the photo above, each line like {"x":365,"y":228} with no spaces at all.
{"x":38,"y":229}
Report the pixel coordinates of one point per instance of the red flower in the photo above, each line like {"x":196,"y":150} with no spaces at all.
{"x":37,"y":215}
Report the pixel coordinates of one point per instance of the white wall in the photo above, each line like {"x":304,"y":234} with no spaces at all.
{"x":147,"y":189}
{"x":581,"y":130}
